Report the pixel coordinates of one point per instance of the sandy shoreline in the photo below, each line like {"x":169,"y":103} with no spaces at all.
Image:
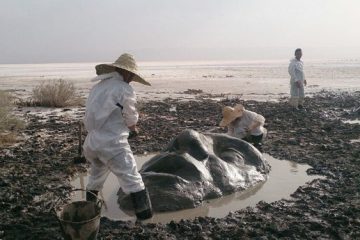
{"x":326,"y":208}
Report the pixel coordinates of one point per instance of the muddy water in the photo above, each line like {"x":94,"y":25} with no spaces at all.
{"x":285,"y":177}
{"x":355,"y":121}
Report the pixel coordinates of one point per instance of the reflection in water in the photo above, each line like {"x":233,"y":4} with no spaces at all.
{"x":293,"y":166}
{"x":285,"y":177}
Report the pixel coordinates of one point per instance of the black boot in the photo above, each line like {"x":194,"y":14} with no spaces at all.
{"x":91,"y":195}
{"x":142,"y":204}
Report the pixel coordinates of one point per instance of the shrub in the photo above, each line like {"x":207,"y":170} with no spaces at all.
{"x":7,"y":138}
{"x":8,"y":123}
{"x":55,"y":93}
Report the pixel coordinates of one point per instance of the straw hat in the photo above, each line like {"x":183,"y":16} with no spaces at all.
{"x":125,"y":61}
{"x":230,"y":114}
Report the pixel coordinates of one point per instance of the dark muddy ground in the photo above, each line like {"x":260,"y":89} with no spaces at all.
{"x":36,"y":172}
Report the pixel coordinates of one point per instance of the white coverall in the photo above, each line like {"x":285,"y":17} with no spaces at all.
{"x":296,"y":71}
{"x":110,"y":109}
{"x":238,"y":127}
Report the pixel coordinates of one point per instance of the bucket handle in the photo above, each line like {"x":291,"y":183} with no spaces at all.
{"x":99,"y":203}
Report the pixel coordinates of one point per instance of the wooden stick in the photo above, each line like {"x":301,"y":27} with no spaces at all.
{"x":80,"y":139}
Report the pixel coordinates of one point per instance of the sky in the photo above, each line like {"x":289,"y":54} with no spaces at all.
{"x":44,"y":31}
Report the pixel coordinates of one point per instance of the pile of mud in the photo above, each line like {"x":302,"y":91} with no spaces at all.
{"x":35,"y":173}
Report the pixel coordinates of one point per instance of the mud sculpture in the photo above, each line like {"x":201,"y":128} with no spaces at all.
{"x":195,"y":167}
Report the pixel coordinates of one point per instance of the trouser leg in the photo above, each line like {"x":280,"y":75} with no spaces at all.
{"x":247,"y":139}
{"x":257,"y":139}
{"x":294,"y":102}
{"x":124,"y":167}
{"x":294,"y":95}
{"x":253,"y":139}
{"x":99,"y":171}
{"x":301,"y":96}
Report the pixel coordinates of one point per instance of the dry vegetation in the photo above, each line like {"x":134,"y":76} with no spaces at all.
{"x":9,"y":124}
{"x":56,"y":93}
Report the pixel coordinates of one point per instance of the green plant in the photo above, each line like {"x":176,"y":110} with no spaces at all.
{"x":55,"y":93}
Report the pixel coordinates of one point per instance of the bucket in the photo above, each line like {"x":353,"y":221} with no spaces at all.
{"x":80,"y":219}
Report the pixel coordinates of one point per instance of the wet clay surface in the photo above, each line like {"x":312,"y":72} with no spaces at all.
{"x":196,"y":167}
{"x":36,"y":172}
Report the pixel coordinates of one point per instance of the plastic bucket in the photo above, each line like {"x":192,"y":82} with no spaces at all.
{"x":80,"y":219}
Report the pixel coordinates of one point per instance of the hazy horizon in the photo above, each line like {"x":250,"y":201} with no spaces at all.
{"x":60,"y":31}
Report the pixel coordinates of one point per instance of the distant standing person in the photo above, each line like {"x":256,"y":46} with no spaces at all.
{"x":244,"y":124}
{"x":110,"y":118}
{"x":297,"y":80}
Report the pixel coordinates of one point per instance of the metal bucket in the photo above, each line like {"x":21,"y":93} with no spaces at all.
{"x":80,"y":219}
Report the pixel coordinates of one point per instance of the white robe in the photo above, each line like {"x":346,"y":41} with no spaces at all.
{"x":297,"y":76}
{"x":110,"y":110}
{"x":296,"y":70}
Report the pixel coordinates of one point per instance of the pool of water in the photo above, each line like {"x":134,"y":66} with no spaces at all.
{"x":285,"y":177}
{"x":355,"y":121}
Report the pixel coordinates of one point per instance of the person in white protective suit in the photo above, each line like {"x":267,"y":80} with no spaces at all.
{"x":244,"y":124}
{"x":297,"y":81}
{"x":110,"y":119}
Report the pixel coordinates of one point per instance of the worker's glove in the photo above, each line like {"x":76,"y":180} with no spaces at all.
{"x":133,"y":134}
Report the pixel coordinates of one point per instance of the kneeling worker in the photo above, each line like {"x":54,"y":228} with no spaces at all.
{"x":110,"y":118}
{"x":244,"y":124}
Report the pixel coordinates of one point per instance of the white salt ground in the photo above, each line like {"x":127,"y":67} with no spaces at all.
{"x":256,"y":80}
